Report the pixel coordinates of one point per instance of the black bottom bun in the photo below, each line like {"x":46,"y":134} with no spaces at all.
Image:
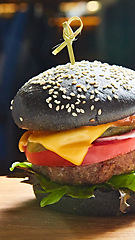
{"x":105,"y":203}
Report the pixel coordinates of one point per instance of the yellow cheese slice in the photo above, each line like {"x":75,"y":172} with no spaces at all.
{"x":69,"y":144}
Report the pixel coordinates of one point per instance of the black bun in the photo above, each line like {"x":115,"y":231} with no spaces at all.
{"x":69,"y":96}
{"x":105,"y":203}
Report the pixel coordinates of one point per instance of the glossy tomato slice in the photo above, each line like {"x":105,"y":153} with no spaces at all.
{"x":98,"y":152}
{"x":46,"y":158}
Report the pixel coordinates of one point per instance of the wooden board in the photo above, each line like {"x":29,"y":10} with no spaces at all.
{"x":21,"y":218}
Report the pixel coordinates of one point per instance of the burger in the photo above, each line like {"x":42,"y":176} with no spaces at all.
{"x":80,"y":138}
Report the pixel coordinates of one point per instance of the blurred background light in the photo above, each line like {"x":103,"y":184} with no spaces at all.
{"x":93,"y":6}
{"x":39,"y":9}
{"x":73,"y":8}
{"x":80,"y":8}
{"x":8,"y":9}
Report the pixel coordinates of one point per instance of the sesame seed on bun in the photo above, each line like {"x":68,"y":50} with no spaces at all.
{"x":70,"y":96}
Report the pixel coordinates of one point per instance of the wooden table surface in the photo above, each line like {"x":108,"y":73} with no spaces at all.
{"x":21,"y":218}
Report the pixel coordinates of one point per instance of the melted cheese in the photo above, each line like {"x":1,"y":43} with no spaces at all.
{"x":70,"y":144}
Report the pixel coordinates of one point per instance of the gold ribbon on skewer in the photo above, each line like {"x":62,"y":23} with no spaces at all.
{"x":69,"y":37}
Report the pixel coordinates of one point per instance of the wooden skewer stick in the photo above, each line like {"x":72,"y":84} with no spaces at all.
{"x":69,"y":37}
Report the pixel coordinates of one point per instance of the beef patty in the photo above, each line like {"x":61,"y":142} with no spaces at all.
{"x":91,"y":174}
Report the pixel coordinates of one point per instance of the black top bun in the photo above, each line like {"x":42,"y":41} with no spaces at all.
{"x":70,"y":96}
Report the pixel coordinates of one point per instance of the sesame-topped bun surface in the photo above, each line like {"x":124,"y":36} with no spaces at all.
{"x":70,"y":96}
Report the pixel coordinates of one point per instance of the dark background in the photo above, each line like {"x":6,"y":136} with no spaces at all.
{"x":26,"y":42}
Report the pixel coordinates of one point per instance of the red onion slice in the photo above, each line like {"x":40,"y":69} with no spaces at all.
{"x":130,"y":134}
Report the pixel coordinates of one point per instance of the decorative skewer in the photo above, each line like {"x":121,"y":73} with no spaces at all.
{"x":69,"y":37}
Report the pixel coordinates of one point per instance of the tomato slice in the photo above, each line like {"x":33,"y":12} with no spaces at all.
{"x":98,"y":152}
{"x":46,"y":158}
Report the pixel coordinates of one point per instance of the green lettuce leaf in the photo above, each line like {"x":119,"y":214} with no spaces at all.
{"x":53,"y":197}
{"x":56,"y":191}
{"x":123,"y":181}
{"x":22,"y":165}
